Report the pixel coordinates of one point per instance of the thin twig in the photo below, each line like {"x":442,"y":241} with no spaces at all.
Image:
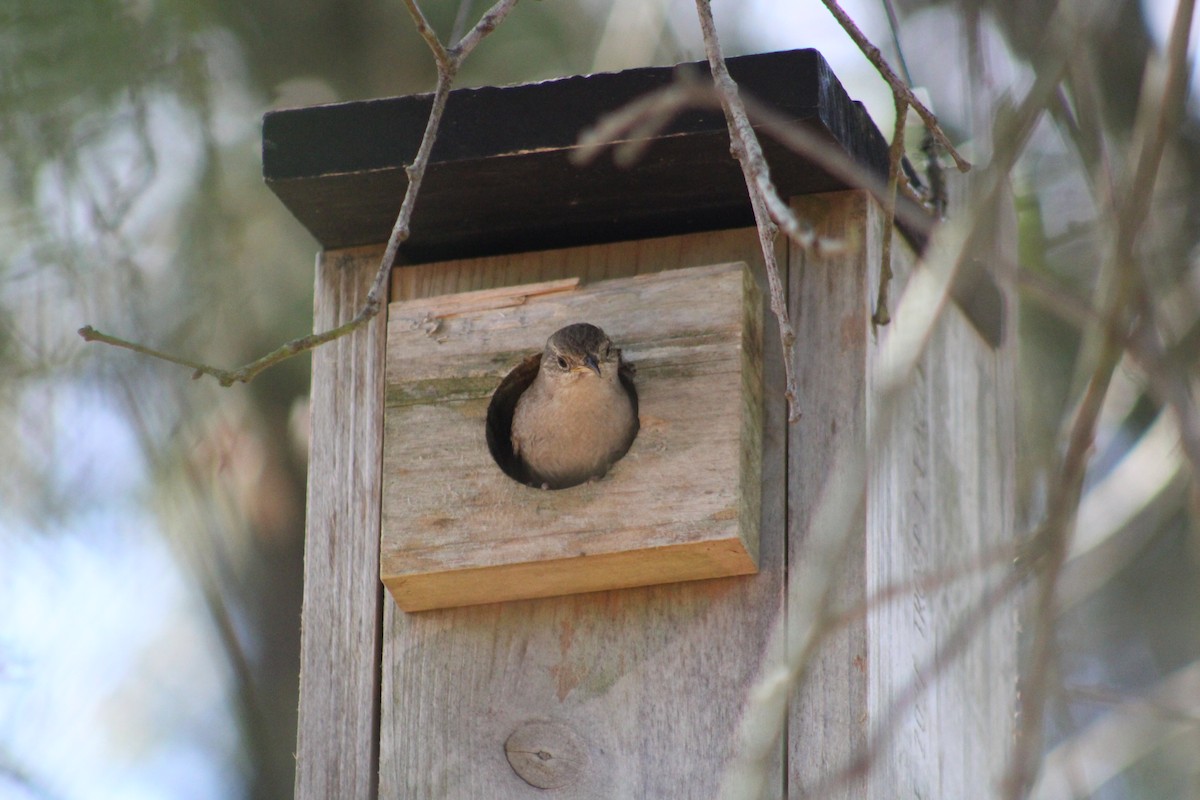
{"x":1049,"y":557}
{"x":1169,"y":383}
{"x":1146,"y":703}
{"x":1056,"y":300}
{"x":813,"y":578}
{"x":838,"y":163}
{"x":448,"y":62}
{"x":882,"y":314}
{"x":416,"y":175}
{"x":490,"y":20}
{"x":770,"y":212}
{"x":950,"y":647}
{"x":429,"y":35}
{"x":629,"y":129}
{"x":1122,"y":738}
{"x":1008,"y":553}
{"x":897,"y":84}
{"x":1161,"y":108}
{"x":460,"y":21}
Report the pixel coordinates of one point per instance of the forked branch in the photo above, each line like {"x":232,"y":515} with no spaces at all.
{"x":900,"y":89}
{"x":448,"y":60}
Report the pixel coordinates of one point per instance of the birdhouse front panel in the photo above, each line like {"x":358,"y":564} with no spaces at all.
{"x":461,"y":527}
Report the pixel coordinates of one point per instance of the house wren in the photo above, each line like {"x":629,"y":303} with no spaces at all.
{"x":579,"y":415}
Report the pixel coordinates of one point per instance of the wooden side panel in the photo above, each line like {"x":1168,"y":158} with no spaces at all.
{"x":337,"y":753}
{"x":630,"y":693}
{"x":831,"y":311}
{"x":892,"y":707}
{"x":941,"y":503}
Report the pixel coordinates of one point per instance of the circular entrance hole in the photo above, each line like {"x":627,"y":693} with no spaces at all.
{"x":500,"y":418}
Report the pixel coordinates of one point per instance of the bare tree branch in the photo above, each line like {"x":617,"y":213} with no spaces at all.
{"x":629,"y":129}
{"x":440,"y":55}
{"x":1159,"y":112}
{"x":899,"y":88}
{"x":924,"y":299}
{"x":770,"y":212}
{"x":448,"y":61}
{"x":882,"y":315}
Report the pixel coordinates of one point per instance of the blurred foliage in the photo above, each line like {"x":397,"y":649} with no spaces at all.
{"x":130,"y":198}
{"x":1143,"y":623}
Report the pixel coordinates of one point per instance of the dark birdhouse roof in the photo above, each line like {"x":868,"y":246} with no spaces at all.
{"x":500,"y":178}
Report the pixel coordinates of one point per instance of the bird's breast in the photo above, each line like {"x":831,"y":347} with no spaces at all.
{"x":574,"y":432}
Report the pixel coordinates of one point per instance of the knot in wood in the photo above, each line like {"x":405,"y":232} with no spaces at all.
{"x":546,"y":754}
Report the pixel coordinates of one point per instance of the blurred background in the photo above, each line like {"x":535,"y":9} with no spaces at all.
{"x":151,"y":526}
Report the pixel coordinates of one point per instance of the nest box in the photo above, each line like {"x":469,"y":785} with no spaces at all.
{"x":604,"y":637}
{"x":683,"y":504}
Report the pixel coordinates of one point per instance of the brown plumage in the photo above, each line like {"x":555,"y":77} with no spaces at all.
{"x":573,"y":410}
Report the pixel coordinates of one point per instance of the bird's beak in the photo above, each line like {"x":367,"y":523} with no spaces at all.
{"x":591,"y":363}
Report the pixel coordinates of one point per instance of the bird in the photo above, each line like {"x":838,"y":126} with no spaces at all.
{"x":578,"y":414}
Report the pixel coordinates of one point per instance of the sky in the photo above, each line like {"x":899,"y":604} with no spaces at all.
{"x":99,"y":632}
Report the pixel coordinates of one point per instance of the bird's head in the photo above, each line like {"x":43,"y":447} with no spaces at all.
{"x":580,"y":350}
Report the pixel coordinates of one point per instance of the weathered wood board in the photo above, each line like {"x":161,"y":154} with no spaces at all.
{"x":683,"y":504}
{"x":831,"y":298}
{"x":890,"y":708}
{"x":337,"y":752}
{"x":637,"y":692}
{"x":943,"y":656}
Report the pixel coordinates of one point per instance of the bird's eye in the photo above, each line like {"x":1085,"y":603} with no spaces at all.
{"x":562,"y":363}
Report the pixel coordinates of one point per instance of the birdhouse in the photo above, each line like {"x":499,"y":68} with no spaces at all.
{"x":539,"y":560}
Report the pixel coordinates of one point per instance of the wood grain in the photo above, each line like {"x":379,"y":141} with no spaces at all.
{"x":942,"y":500}
{"x":458,"y":531}
{"x":337,"y":749}
{"x":829,"y":299}
{"x":644,"y":686}
{"x":939,"y":497}
{"x":449,"y":305}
